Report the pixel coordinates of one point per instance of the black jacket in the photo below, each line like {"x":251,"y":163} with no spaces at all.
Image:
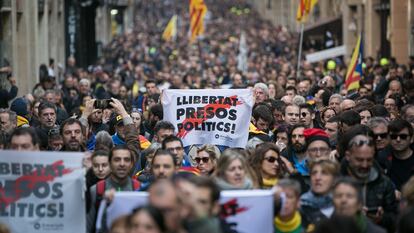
{"x":6,"y":95}
{"x":377,"y":191}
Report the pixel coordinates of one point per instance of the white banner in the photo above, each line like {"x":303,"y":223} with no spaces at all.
{"x":42,"y":192}
{"x":245,"y":211}
{"x":214,"y":116}
{"x":325,"y":54}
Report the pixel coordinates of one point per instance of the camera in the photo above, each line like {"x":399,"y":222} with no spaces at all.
{"x":102,"y":104}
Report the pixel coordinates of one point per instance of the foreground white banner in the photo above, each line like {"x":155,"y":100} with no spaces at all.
{"x":245,"y":211}
{"x":219,"y":116}
{"x":42,"y":192}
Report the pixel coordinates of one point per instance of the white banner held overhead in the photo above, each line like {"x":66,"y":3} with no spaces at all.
{"x":326,"y":54}
{"x":42,"y":192}
{"x":219,"y":116}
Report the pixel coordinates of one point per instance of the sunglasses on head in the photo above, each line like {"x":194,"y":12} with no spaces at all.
{"x":380,"y":136}
{"x":360,"y":142}
{"x":204,"y":159}
{"x":401,"y":136}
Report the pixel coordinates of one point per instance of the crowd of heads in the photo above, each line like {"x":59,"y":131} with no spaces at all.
{"x":325,"y":151}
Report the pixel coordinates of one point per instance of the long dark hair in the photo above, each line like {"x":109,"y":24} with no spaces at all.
{"x":153,"y":212}
{"x":257,"y":158}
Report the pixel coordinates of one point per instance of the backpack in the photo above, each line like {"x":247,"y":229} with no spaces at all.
{"x":100,"y":190}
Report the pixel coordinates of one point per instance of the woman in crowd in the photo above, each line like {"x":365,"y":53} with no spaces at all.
{"x":326,"y":114}
{"x":146,"y":219}
{"x":269,"y":165}
{"x":316,"y":204}
{"x":364,"y":113}
{"x":206,"y":159}
{"x":347,"y":199}
{"x":99,"y":171}
{"x":281,"y":137}
{"x":232,"y":171}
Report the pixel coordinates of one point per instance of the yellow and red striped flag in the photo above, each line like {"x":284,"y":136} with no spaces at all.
{"x":198,"y":11}
{"x":304,"y":8}
{"x":170,"y":31}
{"x":354,"y":73}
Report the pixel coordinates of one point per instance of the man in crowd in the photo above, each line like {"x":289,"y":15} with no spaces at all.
{"x":24,"y":139}
{"x":72,"y":133}
{"x":8,"y":120}
{"x":359,"y":164}
{"x":291,"y":114}
{"x":121,"y":161}
{"x":162,"y":130}
{"x":175,"y":146}
{"x":399,"y":164}
{"x":261,"y":92}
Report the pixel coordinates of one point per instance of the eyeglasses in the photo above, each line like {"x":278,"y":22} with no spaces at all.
{"x":380,"y":136}
{"x":271,"y":159}
{"x":322,"y":150}
{"x":304,"y":114}
{"x":401,"y":136}
{"x":204,"y":159}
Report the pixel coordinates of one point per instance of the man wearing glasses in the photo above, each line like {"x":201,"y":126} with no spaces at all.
{"x":307,"y":116}
{"x":175,"y":146}
{"x":400,"y":163}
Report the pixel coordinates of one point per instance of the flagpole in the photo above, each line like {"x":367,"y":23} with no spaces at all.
{"x":300,"y":49}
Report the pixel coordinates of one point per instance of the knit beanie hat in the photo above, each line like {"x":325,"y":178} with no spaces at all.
{"x":314,"y":134}
{"x":19,"y":106}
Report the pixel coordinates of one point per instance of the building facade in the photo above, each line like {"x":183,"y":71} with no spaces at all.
{"x":387,"y":26}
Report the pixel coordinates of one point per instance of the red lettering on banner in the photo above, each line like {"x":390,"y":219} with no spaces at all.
{"x":182,"y":132}
{"x":46,"y":174}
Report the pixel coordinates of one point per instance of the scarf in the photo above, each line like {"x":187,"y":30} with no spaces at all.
{"x":22,"y":122}
{"x":315,"y":201}
{"x":224,"y":185}
{"x":292,"y":226}
{"x":269,"y":183}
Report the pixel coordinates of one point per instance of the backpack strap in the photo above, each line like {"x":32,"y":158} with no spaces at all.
{"x":135,"y":184}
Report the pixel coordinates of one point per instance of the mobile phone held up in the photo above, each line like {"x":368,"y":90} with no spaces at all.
{"x":102,"y":104}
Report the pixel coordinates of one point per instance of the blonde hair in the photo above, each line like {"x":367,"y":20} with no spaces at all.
{"x":211,"y":151}
{"x":330,"y":166}
{"x":228,"y":156}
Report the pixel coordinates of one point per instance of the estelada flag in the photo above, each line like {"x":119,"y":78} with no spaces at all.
{"x":304,"y":8}
{"x":170,"y":31}
{"x":198,"y":11}
{"x":354,"y":73}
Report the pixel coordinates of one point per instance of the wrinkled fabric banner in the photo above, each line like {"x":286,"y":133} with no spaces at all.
{"x":219,"y":116}
{"x":42,"y":192}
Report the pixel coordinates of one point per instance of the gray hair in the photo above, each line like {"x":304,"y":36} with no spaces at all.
{"x":262,"y":86}
{"x":298,"y":100}
{"x":85,"y":81}
{"x":103,"y":138}
{"x":374,"y":122}
{"x":12,"y":115}
{"x":336,"y":96}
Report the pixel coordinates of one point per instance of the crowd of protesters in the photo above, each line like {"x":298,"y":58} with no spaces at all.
{"x":337,"y":161}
